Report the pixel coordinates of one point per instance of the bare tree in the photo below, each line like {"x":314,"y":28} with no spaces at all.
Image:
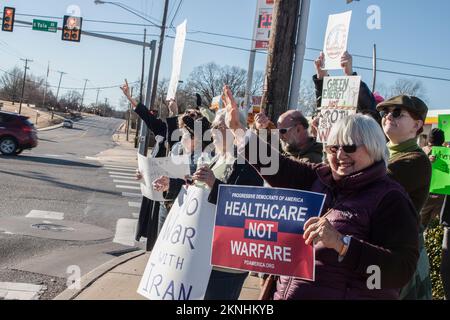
{"x":307,"y":98}
{"x":408,"y":87}
{"x":209,"y":79}
{"x":258,"y":83}
{"x":11,"y":83}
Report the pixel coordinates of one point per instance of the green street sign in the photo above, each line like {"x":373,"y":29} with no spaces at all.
{"x":43,"y":25}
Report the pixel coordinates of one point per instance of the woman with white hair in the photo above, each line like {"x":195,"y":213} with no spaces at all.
{"x":368,"y":222}
{"x":224,"y":283}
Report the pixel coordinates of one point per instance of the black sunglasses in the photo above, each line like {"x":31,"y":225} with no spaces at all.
{"x":285,"y":130}
{"x":396,"y":113}
{"x":351,"y":148}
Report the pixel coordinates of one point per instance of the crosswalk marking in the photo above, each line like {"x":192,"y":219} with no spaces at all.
{"x":40,"y":214}
{"x":128,"y":187}
{"x":119,"y":167}
{"x":126,"y":181}
{"x":133,"y":175}
{"x":135,"y":215}
{"x":134,"y":204}
{"x":131,"y":195}
{"x":125,"y":231}
{"x":123,"y":177}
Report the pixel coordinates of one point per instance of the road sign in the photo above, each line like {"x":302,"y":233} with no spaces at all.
{"x":43,"y":25}
{"x":261,"y":32}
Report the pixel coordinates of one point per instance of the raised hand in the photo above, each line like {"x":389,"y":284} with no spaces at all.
{"x":347,"y":63}
{"x":261,"y":121}
{"x":318,"y":64}
{"x":126,"y":91}
{"x":232,"y":115}
{"x":161,"y":184}
{"x":173,"y":108}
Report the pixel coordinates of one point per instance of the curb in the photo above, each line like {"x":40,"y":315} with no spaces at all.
{"x":50,"y":128}
{"x":88,"y":279}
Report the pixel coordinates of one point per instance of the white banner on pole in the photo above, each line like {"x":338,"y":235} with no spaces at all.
{"x":179,"y":266}
{"x":339,"y":100}
{"x":177,"y":58}
{"x":336,"y":37}
{"x":153,"y":168}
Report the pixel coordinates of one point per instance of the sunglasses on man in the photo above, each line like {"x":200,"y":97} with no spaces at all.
{"x":285,"y":130}
{"x":349,"y":148}
{"x":396,"y":113}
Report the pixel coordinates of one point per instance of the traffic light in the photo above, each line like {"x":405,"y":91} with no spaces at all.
{"x":72,"y":28}
{"x":8,"y":19}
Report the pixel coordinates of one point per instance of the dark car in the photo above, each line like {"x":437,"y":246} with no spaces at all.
{"x":17,"y":133}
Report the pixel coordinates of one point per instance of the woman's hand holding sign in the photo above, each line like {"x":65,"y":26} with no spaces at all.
{"x":320,"y":229}
{"x":161,"y":184}
{"x":204,"y":174}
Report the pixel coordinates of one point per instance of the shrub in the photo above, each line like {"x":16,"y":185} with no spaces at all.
{"x":433,"y":244}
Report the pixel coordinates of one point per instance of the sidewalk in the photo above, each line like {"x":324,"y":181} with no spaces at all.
{"x":119,"y":278}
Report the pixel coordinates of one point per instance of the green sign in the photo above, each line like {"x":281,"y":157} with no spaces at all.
{"x":440,"y":174}
{"x":444,"y":125}
{"x":43,"y":25}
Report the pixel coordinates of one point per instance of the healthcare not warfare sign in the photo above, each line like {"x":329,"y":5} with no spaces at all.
{"x":261,"y":229}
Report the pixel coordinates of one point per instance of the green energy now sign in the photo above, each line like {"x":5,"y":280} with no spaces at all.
{"x":43,"y":25}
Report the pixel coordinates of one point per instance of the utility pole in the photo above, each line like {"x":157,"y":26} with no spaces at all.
{"x":129,"y":115}
{"x":57,"y":92}
{"x":158,"y":58}
{"x":141,"y":95}
{"x":23,"y":83}
{"x":46,"y":84}
{"x":96,"y":100}
{"x":84,"y":89}
{"x":280,"y":57}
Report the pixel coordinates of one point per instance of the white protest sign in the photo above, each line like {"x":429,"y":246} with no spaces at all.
{"x":336,"y":37}
{"x":153,"y":168}
{"x":179,"y":265}
{"x":177,"y":58}
{"x":339,"y":99}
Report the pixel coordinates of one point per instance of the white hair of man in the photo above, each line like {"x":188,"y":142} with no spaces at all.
{"x":360,"y":129}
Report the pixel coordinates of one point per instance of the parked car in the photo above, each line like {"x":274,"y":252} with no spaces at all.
{"x":17,"y":133}
{"x":68,"y":123}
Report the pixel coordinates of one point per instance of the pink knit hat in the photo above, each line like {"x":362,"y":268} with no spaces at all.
{"x":378,"y":97}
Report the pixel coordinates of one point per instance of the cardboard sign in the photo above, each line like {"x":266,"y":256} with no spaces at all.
{"x":440,"y":172}
{"x":339,"y":100}
{"x":261,"y":229}
{"x":153,"y":168}
{"x":336,"y":37}
{"x":444,"y":125}
{"x":179,"y":265}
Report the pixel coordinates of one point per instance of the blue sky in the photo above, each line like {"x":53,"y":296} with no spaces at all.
{"x":411,"y":30}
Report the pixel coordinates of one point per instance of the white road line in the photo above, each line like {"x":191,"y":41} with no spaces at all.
{"x":123,"y":177}
{"x":126,"y":181}
{"x":128,"y":187}
{"x":123,"y":174}
{"x":134,"y":204}
{"x":131,"y":195}
{"x":116,"y":166}
{"x":120,"y":168}
{"x":125,"y":231}
{"x":20,"y":291}
{"x":40,"y":214}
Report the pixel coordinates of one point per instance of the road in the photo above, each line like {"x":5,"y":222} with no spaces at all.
{"x":61,"y":208}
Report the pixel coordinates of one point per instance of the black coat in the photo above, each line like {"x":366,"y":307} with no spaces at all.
{"x":149,"y":213}
{"x":241,"y":175}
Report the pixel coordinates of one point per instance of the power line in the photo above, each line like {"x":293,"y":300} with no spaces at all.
{"x":176,"y":12}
